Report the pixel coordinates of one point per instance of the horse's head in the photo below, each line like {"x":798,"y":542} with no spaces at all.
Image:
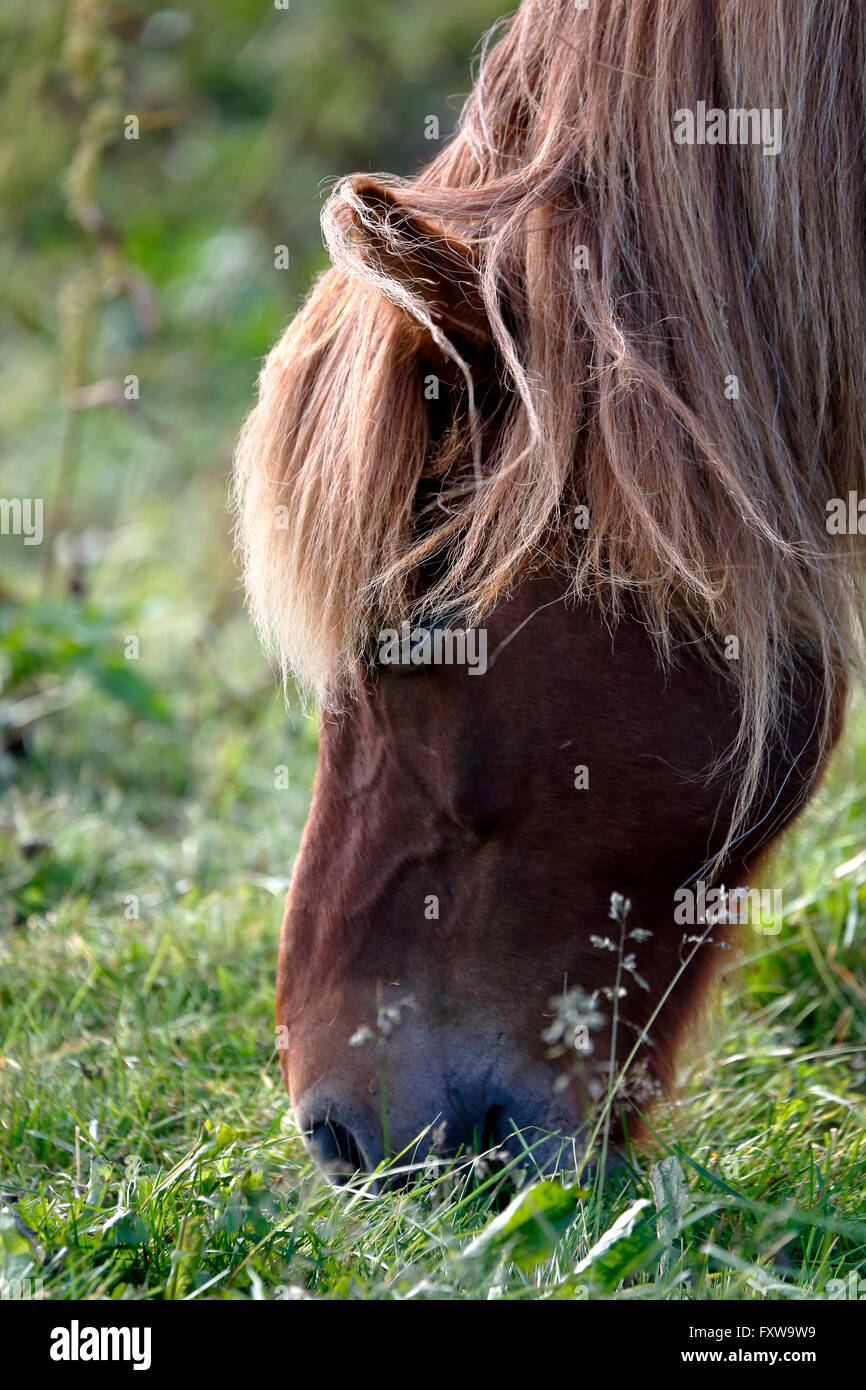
{"x":450,"y":970}
{"x":580,"y":382}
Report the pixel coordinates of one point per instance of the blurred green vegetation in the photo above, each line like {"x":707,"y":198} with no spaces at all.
{"x":138,"y":294}
{"x":245,"y":114}
{"x":145,"y":845}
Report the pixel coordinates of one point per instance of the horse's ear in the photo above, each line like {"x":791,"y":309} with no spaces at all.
{"x":425,"y":259}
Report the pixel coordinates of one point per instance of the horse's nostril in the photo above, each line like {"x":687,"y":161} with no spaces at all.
{"x":490,"y":1136}
{"x":479,"y":1137}
{"x":335,"y":1149}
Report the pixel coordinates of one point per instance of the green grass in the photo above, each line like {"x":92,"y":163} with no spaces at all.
{"x":146,"y":1146}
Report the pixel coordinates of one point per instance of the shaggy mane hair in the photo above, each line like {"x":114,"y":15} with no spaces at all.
{"x":597,"y":378}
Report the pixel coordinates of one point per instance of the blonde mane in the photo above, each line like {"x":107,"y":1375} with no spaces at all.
{"x":671,"y":336}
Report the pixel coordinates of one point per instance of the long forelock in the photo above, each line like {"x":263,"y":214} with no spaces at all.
{"x":668,"y":324}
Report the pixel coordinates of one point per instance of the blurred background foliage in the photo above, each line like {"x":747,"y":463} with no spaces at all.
{"x":138,"y":294}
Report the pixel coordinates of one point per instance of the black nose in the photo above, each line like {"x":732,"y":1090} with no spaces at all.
{"x":342,"y":1148}
{"x":335,"y":1148}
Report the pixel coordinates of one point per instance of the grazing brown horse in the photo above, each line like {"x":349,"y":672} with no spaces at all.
{"x":536,"y":499}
